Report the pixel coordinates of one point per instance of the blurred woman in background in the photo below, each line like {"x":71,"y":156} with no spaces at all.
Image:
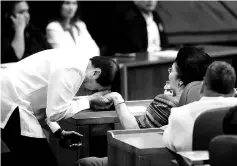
{"x":67,"y":30}
{"x":19,"y":37}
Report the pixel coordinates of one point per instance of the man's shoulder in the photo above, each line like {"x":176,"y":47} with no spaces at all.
{"x":205,"y":103}
{"x":185,"y":109}
{"x":220,"y":100}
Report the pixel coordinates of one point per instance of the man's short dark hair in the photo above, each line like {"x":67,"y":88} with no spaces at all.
{"x":220,"y":77}
{"x":192,"y":63}
{"x":109,"y":70}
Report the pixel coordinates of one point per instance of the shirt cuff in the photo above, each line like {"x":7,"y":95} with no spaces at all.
{"x":54,"y":126}
{"x":81,"y":103}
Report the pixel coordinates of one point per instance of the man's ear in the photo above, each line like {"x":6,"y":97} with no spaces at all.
{"x":96,"y":73}
{"x":180,"y":83}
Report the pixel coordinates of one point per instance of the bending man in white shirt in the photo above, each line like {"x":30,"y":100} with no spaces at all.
{"x":217,"y":90}
{"x":50,"y":79}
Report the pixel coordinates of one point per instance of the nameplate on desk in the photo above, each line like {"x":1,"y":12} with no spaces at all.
{"x":167,"y":54}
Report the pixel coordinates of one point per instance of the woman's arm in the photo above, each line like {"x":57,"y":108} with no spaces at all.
{"x":18,"y":42}
{"x":157,"y":112}
{"x":127,"y":120}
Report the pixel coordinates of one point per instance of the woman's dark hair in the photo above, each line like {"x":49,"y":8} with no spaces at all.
{"x":8,"y":6}
{"x":7,"y":10}
{"x":56,"y":13}
{"x":192,"y":63}
{"x":109,"y":71}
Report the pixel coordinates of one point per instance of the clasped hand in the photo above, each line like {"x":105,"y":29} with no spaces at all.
{"x":98,"y":101}
{"x":104,"y":99}
{"x":112,"y":98}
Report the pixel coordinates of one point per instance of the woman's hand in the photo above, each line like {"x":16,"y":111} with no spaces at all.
{"x":115,"y":97}
{"x":19,"y":22}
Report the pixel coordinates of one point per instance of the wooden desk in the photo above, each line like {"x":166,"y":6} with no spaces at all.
{"x":143,"y":76}
{"x":93,"y":126}
{"x":143,"y":147}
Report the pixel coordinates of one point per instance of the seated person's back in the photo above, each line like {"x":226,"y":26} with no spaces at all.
{"x":217,"y":90}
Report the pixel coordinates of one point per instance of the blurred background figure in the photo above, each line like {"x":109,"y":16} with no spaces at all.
{"x":154,"y":28}
{"x":67,"y":30}
{"x":19,"y":37}
{"x":136,"y":28}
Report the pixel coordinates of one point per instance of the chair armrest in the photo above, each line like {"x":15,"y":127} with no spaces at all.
{"x":193,"y":158}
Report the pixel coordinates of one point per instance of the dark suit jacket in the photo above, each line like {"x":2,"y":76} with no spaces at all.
{"x":128,"y":31}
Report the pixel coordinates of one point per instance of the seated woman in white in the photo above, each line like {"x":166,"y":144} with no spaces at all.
{"x":67,"y":30}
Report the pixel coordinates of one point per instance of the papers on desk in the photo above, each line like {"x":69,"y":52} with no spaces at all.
{"x":167,"y":54}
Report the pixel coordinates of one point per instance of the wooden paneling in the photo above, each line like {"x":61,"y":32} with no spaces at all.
{"x":146,"y":82}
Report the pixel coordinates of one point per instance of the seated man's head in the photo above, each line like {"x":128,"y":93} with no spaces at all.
{"x":190,"y":65}
{"x":219,"y":80}
{"x":145,"y":5}
{"x":101,"y":74}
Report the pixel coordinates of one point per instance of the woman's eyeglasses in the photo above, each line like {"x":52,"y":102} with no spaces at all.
{"x":169,"y":70}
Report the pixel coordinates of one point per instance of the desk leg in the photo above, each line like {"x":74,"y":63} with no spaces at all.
{"x":84,"y":149}
{"x":124,"y":82}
